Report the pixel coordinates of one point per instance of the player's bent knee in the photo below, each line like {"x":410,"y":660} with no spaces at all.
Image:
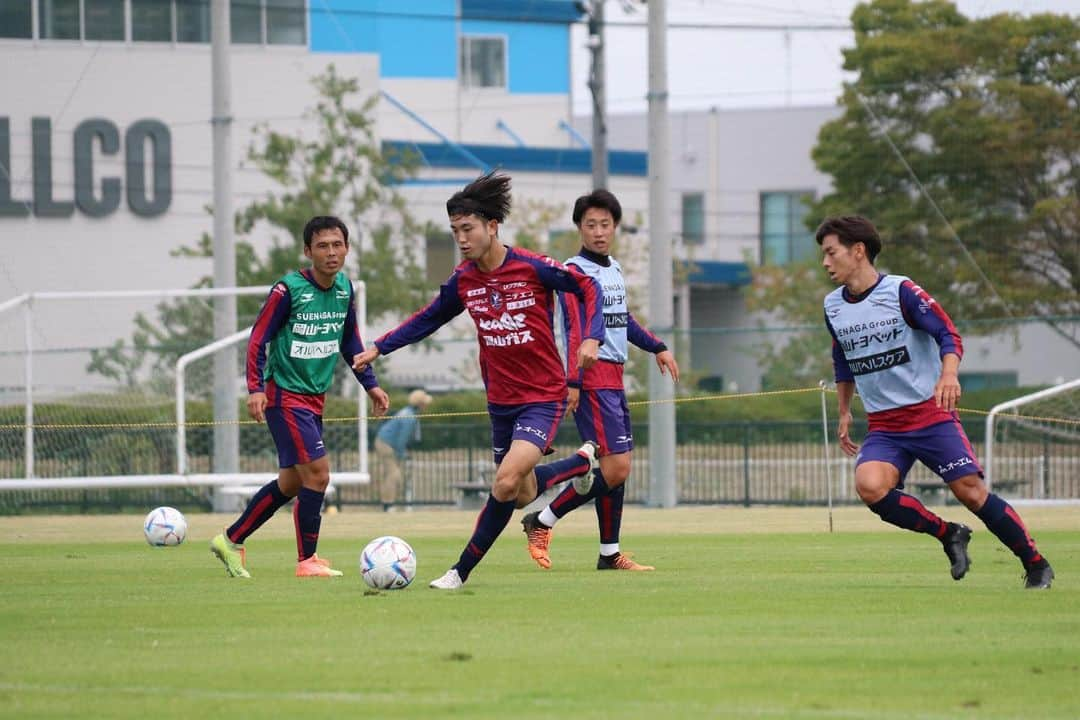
{"x":970,"y":490}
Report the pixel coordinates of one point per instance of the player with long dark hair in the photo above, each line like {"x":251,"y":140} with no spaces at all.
{"x":510,"y":295}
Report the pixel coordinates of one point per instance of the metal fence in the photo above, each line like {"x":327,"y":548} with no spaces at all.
{"x":735,"y":463}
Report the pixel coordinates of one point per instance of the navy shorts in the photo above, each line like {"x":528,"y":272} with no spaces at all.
{"x":604,"y":417}
{"x":297,"y":435}
{"x":944,"y":448}
{"x":534,"y":422}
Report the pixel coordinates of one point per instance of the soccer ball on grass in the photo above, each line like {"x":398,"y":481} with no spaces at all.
{"x":165,"y":526}
{"x":388,"y":563}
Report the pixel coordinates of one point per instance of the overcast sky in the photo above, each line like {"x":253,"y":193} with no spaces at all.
{"x":742,"y":68}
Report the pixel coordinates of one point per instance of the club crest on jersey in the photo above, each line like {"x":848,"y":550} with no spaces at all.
{"x":496,"y":299}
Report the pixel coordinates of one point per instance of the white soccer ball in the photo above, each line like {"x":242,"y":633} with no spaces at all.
{"x":388,"y":563}
{"x":165,"y":526}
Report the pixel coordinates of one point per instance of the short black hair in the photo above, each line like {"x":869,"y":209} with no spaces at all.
{"x":488,"y":196}
{"x":851,"y":229}
{"x":601,"y":200}
{"x":323,"y":222}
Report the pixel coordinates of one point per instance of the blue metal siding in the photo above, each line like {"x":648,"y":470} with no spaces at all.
{"x":421,"y":46}
{"x":526,"y":159}
{"x":546,"y":11}
{"x":539,"y":53}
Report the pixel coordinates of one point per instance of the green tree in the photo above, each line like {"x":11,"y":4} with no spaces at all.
{"x":960,"y":138}
{"x":335,"y":166}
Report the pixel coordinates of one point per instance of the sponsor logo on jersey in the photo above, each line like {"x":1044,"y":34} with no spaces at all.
{"x":515,"y":285}
{"x":518,"y":304}
{"x":957,"y":463}
{"x":864,"y":341}
{"x":341,"y":294}
{"x":302,"y":328}
{"x":506,"y":321}
{"x":880,"y":361}
{"x":476,"y":291}
{"x":312,"y":350}
{"x":305,"y":297}
{"x":514,"y":338}
{"x":530,"y":430}
{"x":616,"y":320}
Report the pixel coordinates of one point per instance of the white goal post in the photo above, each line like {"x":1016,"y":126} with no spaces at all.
{"x":1000,"y":411}
{"x":183,"y":477}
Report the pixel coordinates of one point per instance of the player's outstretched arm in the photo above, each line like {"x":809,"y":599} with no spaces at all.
{"x":362,"y":360}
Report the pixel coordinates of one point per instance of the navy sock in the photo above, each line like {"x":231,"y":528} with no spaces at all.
{"x":259,"y":509}
{"x":489,"y":524}
{"x":569,"y":499}
{"x":609,"y":514}
{"x":307,"y":518}
{"x":905,"y":511}
{"x":553,"y":473}
{"x":1002,"y":520}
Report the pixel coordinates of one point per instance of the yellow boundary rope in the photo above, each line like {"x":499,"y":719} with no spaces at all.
{"x":482,"y":413}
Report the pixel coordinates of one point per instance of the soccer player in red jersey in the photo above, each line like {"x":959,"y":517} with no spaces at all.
{"x":510,"y":295}
{"x":898,"y":347}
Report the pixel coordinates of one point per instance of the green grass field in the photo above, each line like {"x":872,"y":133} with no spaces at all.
{"x":754,"y":613}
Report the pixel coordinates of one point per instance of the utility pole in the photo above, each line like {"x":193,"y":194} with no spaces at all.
{"x":226,"y":431}
{"x":598,"y":88}
{"x":661,"y":311}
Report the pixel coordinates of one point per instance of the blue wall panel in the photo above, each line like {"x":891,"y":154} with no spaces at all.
{"x":417,"y":39}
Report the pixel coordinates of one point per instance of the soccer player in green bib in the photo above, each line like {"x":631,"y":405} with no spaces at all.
{"x":306,"y":321}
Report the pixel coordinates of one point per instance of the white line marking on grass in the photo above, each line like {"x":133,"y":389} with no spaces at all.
{"x":341,"y":696}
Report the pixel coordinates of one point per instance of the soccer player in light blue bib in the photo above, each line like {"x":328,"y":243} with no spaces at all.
{"x":597,"y":394}
{"x":895,"y":345}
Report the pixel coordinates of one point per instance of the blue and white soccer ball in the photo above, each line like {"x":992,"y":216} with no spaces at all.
{"x":388,"y":563}
{"x":165,"y":526}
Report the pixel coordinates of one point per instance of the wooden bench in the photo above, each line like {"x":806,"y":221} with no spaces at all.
{"x":471,"y":495}
{"x":929,"y":489}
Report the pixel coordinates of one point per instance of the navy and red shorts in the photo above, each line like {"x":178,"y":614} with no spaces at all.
{"x":535,"y":423}
{"x":944,"y":448}
{"x":297,"y":434}
{"x":604,"y":417}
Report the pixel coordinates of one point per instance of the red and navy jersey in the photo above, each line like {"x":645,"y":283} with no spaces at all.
{"x":889,"y":341}
{"x":273,"y":316}
{"x":513,"y":308}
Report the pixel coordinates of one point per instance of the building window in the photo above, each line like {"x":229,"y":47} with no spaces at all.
{"x":16,"y":19}
{"x":192,"y":21}
{"x":483,"y":62}
{"x":245,"y":22}
{"x":59,"y":19}
{"x":784,"y":237}
{"x":151,"y":20}
{"x":285,"y":21}
{"x":272,"y":22}
{"x":440,"y":254}
{"x":104,"y":19}
{"x":693,"y":218}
